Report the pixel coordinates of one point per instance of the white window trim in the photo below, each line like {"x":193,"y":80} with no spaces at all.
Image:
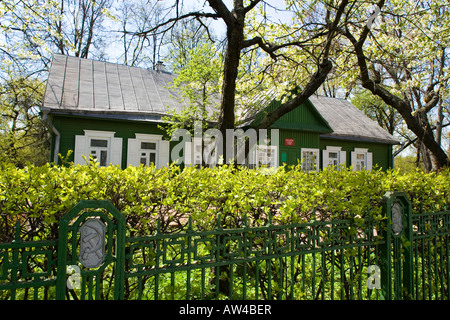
{"x":261,"y":150}
{"x":92,"y":134}
{"x":134,"y":149}
{"x":193,"y":152}
{"x":342,"y":156}
{"x":367,"y":158}
{"x":316,"y":151}
{"x":83,"y":142}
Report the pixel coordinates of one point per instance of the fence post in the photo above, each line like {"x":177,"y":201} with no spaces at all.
{"x":396,"y":253}
{"x":102,"y":233}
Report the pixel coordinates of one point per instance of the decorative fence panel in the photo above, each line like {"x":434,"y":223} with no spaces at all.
{"x":431,"y":253}
{"x":321,"y":260}
{"x":404,"y":256}
{"x":27,"y":269}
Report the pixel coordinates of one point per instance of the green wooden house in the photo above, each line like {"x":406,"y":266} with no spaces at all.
{"x":114,"y":113}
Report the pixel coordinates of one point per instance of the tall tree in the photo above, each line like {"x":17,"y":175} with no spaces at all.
{"x":404,"y":60}
{"x":34,"y":29}
{"x":198,"y":79}
{"x":138,"y":16}
{"x":23,"y":137}
{"x":31,"y":31}
{"x":240,"y":39}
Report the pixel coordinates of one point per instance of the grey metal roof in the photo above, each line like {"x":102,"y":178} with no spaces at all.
{"x":348,"y":122}
{"x":103,"y":89}
{"x":86,"y":86}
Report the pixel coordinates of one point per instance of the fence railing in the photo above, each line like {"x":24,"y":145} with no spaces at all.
{"x":404,"y":256}
{"x":431,"y":254}
{"x":320,"y":260}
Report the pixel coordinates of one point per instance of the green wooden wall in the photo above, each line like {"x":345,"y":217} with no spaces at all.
{"x":69,"y":126}
{"x":300,"y":139}
{"x":382,"y":153}
{"x":304,"y":118}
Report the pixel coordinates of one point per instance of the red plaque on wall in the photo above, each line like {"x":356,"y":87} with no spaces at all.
{"x":289,"y":142}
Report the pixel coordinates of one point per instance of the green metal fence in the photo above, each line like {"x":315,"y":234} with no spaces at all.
{"x":27,"y":270}
{"x":405,"y":256}
{"x":431,"y":253}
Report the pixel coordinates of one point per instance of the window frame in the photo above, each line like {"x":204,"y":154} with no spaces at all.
{"x":261,"y":152}
{"x":367,"y":159}
{"x":83,"y":147}
{"x":148,"y":138}
{"x":341,"y":157}
{"x":162,"y":154}
{"x":98,"y":150}
{"x":317,"y":160}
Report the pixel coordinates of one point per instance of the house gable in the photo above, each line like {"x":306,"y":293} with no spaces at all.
{"x":303,"y":118}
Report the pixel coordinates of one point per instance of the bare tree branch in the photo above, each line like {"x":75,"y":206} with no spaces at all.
{"x":316,"y":80}
{"x":252,"y":4}
{"x":222,"y":11}
{"x":172,"y":21}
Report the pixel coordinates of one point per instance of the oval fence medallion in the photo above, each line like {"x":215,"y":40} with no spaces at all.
{"x":92,"y":243}
{"x":397,"y":220}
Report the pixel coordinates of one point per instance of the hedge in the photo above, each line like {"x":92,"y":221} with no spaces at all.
{"x":38,"y":196}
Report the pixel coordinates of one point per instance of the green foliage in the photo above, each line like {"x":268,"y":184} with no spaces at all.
{"x":23,"y":136}
{"x":407,"y":164}
{"x":199,"y":81}
{"x":40,"y":196}
{"x":376,"y":109}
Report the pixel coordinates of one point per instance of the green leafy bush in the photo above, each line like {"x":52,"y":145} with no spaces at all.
{"x":39,"y":196}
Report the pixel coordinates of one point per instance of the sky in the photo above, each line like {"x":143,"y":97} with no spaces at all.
{"x":271,"y":6}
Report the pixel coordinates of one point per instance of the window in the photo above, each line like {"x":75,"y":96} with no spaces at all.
{"x":198,"y":151}
{"x":147,"y":149}
{"x":193,"y":152}
{"x":310,"y":159}
{"x":100,"y":145}
{"x":333,"y":157}
{"x":361,"y":159}
{"x":148,"y":153}
{"x":266,"y":156}
{"x":99,"y":151}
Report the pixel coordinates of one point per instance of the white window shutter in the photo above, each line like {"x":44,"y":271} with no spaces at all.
{"x":317,"y":154}
{"x":163,"y":153}
{"x":353,"y":159}
{"x":275,"y":151}
{"x":325,"y":159}
{"x":132,"y":153}
{"x":80,"y":150}
{"x":369,"y":161}
{"x":187,"y":153}
{"x":343,"y":158}
{"x":197,"y":151}
{"x":116,"y":151}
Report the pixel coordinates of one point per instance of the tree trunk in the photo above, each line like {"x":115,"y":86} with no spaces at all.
{"x":413,"y":120}
{"x":235,"y":37}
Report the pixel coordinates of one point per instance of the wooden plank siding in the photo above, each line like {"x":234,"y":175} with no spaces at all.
{"x":70,"y":126}
{"x":301,"y":139}
{"x":382,"y":153}
{"x":303,"y":118}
